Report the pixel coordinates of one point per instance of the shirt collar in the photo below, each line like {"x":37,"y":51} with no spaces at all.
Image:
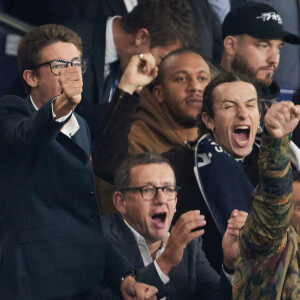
{"x":130,"y":4}
{"x":140,"y":239}
{"x":32,"y":102}
{"x":70,"y":128}
{"x":110,"y":49}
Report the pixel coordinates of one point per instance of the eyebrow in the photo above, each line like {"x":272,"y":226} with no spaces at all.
{"x":268,"y":41}
{"x":163,"y":184}
{"x":77,"y":57}
{"x":186,"y":72}
{"x":234,"y":101}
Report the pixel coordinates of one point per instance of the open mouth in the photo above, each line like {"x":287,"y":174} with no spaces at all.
{"x":241,"y":135}
{"x":159,"y":218}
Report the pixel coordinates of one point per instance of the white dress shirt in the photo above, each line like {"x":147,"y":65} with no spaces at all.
{"x":130,"y":4}
{"x":146,"y":256}
{"x":70,"y":128}
{"x":110,"y":49}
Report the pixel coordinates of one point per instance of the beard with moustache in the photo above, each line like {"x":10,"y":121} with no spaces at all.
{"x":182,"y":119}
{"x":239,"y":64}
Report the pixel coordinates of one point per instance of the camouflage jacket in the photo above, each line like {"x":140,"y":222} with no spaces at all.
{"x":268,"y":267}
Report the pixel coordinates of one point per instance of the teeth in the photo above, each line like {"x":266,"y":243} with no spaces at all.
{"x":242,"y":127}
{"x":243,"y":142}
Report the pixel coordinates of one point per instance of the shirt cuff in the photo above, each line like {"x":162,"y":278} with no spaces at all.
{"x":230,"y":277}
{"x":164,"y":278}
{"x":61,"y":119}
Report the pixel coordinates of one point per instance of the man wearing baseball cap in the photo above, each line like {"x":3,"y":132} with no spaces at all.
{"x":253,"y":35}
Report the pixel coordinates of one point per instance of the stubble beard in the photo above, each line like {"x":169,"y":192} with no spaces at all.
{"x":239,"y":64}
{"x":182,"y":119}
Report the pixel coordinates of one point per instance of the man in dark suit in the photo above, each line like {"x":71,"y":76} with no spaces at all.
{"x":146,"y":197}
{"x":154,"y":26}
{"x":51,"y":241}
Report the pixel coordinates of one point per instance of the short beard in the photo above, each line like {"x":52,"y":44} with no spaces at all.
{"x":239,"y":64}
{"x":185,"y":121}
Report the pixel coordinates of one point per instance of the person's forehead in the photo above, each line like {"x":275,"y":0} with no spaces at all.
{"x":152,"y":173}
{"x":235,"y":91}
{"x":185,"y":62}
{"x":62,"y":50}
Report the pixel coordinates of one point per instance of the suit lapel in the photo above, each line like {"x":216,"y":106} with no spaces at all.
{"x":78,"y":144}
{"x":29,"y":103}
{"x":126,"y":242}
{"x":75,"y":145}
{"x":180,"y":274}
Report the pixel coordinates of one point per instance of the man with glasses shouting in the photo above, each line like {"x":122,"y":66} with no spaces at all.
{"x":146,"y":198}
{"x":51,"y":240}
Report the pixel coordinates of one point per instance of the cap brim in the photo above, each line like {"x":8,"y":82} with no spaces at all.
{"x":291,"y":38}
{"x":285,"y":35}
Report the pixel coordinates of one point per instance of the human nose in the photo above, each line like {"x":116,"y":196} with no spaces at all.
{"x":69,"y":64}
{"x":194,"y":85}
{"x":243,"y":112}
{"x":160,"y":197}
{"x":273,"y":56}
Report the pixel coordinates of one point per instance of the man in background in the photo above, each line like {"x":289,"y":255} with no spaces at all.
{"x":154,"y":26}
{"x":160,"y":119}
{"x":253,"y":36}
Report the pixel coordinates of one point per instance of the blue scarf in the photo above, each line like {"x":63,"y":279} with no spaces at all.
{"x":222,"y":181}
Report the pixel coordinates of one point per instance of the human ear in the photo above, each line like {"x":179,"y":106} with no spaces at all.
{"x":142,"y":38}
{"x":119,"y":202}
{"x":230,"y":45}
{"x":158,"y":93}
{"x":31,"y":78}
{"x":208,"y":121}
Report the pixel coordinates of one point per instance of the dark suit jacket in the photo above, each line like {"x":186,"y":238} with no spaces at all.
{"x":193,"y":278}
{"x":93,"y":104}
{"x":51,"y":240}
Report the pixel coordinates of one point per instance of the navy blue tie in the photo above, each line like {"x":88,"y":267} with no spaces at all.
{"x":111,"y":81}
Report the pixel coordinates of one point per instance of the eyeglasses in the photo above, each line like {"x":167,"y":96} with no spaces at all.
{"x":56,"y":64}
{"x":149,"y":192}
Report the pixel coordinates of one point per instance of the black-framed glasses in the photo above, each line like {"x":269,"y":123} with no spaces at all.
{"x":149,"y":192}
{"x":56,"y":64}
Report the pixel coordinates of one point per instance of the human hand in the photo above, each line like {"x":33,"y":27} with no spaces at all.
{"x":71,"y":83}
{"x":138,"y":73}
{"x":70,"y":80}
{"x":230,"y":239}
{"x":181,"y":234}
{"x":282,"y":118}
{"x":131,"y":289}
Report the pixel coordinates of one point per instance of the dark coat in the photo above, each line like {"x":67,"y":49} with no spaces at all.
{"x":193,"y":278}
{"x":51,"y":240}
